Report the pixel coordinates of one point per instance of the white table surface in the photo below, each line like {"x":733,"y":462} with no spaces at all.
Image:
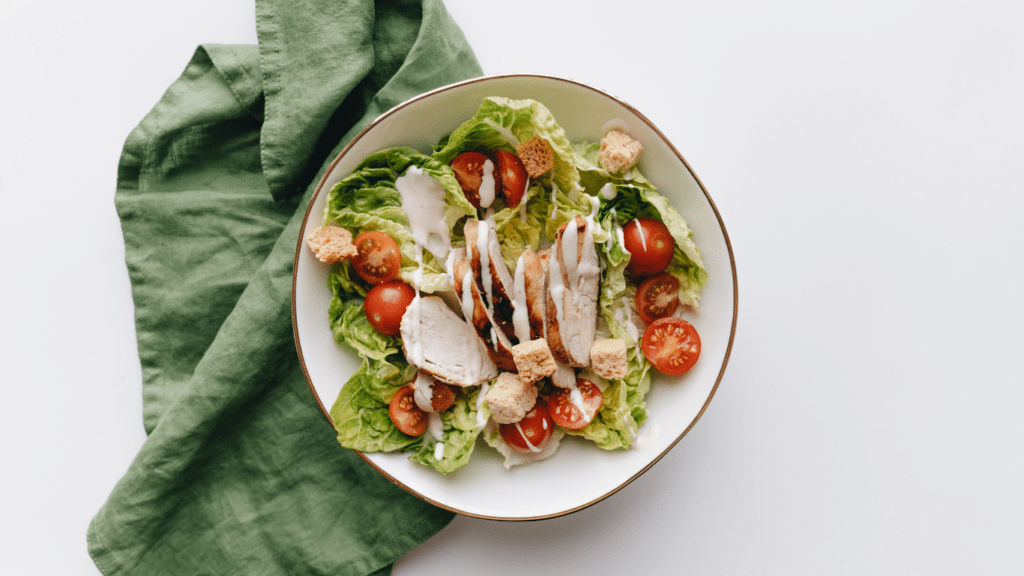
{"x":865,"y":157}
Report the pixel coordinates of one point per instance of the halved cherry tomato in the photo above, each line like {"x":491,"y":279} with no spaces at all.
{"x":564,"y":411}
{"x":378,"y":259}
{"x":405,"y":414}
{"x":469,"y":172}
{"x":513,"y":177}
{"x":672,"y":345}
{"x":531,"y":433}
{"x":657,"y":297}
{"x":650,"y":246}
{"x":442,"y":396}
{"x":386,"y":303}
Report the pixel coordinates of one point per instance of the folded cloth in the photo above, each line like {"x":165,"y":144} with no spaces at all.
{"x":241,"y":473}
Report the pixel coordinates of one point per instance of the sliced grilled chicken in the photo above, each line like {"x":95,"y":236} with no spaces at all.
{"x":529,"y":300}
{"x":458,"y":358}
{"x":573,"y":282}
{"x":498,"y":346}
{"x":493,"y":279}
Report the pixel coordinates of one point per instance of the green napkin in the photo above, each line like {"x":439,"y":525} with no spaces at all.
{"x":241,"y":473}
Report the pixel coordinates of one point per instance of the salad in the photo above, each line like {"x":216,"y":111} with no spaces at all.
{"x":508,"y":285}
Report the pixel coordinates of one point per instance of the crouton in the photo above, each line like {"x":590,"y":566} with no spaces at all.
{"x":510,"y":398}
{"x":533,"y":360}
{"x":332,"y":244}
{"x":537,"y":155}
{"x":608,"y":358}
{"x":619,"y":151}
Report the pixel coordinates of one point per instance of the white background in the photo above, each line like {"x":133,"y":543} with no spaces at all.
{"x":865,"y":157}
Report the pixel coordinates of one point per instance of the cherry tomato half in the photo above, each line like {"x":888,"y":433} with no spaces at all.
{"x":469,"y":172}
{"x":378,"y":259}
{"x":531,"y":433}
{"x":672,"y":345}
{"x":513,"y":177}
{"x":564,"y":411}
{"x":405,"y":414}
{"x":650,"y":246}
{"x":386,"y":303}
{"x":657,"y":297}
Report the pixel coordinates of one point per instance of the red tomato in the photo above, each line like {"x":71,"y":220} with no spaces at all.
{"x":565,"y":413}
{"x":442,"y":396}
{"x":405,"y":414}
{"x":378,"y":259}
{"x":386,"y":303}
{"x":513,"y":177}
{"x":650,"y":245}
{"x":469,"y":172}
{"x":672,"y":345}
{"x":531,"y":433}
{"x":657,"y":297}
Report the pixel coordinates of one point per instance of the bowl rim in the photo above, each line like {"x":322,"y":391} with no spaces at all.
{"x":732,"y":262}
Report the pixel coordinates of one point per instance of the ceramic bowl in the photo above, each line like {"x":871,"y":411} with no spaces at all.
{"x":579,"y":474}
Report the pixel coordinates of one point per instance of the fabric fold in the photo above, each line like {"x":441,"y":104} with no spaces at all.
{"x":240,"y":473}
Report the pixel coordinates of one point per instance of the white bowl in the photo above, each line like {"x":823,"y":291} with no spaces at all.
{"x":579,"y":474}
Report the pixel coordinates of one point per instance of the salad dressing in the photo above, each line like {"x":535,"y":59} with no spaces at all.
{"x":640,"y":231}
{"x":577,"y":400}
{"x":480,"y":420}
{"x":423,"y":386}
{"x":527,"y":440}
{"x":608,"y":191}
{"x":520,"y":316}
{"x":423,"y":204}
{"x":487,"y":185}
{"x":414,"y":349}
{"x":483,"y":230}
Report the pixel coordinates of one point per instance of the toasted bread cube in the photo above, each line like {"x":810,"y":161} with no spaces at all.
{"x":510,"y":398}
{"x":533,"y":360}
{"x":332,"y":244}
{"x":608,"y":358}
{"x":537,"y":155}
{"x":619,"y":151}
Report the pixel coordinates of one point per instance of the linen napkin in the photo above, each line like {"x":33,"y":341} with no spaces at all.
{"x":241,"y":473}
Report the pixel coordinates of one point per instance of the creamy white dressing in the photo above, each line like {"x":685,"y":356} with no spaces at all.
{"x":631,"y":328}
{"x":570,"y":241}
{"x":527,"y":440}
{"x":520,"y":315}
{"x":522,"y":203}
{"x":423,"y":386}
{"x":439,"y":451}
{"x":435,"y":425}
{"x":646,"y":437}
{"x":480,"y":398}
{"x":640,"y":231}
{"x":482,"y":239}
{"x":556,"y":287}
{"x":608,"y":191}
{"x":467,"y":298}
{"x":414,"y":349}
{"x":423,"y":204}
{"x":487,"y":185}
{"x":577,"y":400}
